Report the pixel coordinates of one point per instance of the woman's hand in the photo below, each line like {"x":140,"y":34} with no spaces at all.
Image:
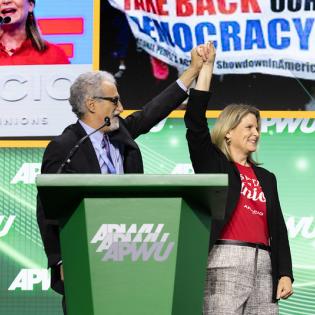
{"x":61,"y":273}
{"x":284,"y":289}
{"x":207,"y":53}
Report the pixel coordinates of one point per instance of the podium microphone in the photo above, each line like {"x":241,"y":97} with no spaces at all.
{"x":5,"y":20}
{"x":68,"y":158}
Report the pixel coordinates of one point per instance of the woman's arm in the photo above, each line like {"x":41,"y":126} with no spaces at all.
{"x":284,"y":288}
{"x":205,"y":157}
{"x":205,"y":74}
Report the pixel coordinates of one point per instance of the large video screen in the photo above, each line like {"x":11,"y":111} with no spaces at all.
{"x":34,"y":85}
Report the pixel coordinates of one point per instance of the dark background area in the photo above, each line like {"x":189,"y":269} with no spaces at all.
{"x":138,"y":85}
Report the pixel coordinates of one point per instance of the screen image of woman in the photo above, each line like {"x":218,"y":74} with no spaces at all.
{"x":20,"y":39}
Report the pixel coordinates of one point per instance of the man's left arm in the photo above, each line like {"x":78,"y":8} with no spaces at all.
{"x":156,"y":110}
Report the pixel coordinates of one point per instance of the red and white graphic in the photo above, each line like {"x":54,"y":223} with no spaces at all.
{"x":249,"y":220}
{"x":62,"y":26}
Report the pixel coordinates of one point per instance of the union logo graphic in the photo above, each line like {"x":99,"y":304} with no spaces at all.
{"x":136,"y":242}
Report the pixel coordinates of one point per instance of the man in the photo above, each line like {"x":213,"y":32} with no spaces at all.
{"x":94,"y":96}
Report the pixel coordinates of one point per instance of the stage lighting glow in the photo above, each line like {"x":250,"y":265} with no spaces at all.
{"x":302,"y":164}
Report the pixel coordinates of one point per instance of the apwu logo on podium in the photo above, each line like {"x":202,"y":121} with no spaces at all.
{"x":133,"y":241}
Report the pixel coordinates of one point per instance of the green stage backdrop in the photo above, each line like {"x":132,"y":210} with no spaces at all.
{"x":287,"y":148}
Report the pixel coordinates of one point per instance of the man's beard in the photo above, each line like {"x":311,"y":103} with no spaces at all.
{"x":114,"y":123}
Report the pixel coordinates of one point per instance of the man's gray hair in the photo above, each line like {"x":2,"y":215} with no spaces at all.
{"x":87,"y":85}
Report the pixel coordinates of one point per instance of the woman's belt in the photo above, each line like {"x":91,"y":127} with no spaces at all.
{"x":240,"y":243}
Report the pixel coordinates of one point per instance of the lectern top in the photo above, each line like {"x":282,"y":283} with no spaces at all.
{"x":60,"y":194}
{"x":127,"y":180}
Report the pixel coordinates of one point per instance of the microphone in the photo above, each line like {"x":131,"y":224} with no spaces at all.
{"x":68,"y":158}
{"x":5,"y":20}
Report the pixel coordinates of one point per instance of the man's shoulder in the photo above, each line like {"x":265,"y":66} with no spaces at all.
{"x":67,"y":139}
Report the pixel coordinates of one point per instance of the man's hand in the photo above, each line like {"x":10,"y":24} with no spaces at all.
{"x":198,"y":56}
{"x":284,"y":289}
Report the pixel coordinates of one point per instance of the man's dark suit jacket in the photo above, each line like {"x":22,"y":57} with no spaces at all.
{"x":207,"y":158}
{"x":85,"y":159}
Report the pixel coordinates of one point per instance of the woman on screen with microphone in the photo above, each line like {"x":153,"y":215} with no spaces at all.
{"x":249,"y":267}
{"x":20,"y":39}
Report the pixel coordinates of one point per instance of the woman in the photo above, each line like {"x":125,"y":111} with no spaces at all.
{"x":249,"y":265}
{"x":20,"y":40}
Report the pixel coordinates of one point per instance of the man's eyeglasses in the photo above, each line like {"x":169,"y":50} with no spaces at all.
{"x":114,"y":100}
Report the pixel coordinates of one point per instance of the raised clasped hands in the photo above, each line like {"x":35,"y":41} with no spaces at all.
{"x":202,"y":54}
{"x":207,"y":52}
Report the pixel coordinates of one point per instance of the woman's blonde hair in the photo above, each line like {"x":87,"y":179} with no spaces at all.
{"x":229,"y":119}
{"x":32,"y":31}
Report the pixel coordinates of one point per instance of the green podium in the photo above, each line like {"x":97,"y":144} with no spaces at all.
{"x":134,"y":244}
